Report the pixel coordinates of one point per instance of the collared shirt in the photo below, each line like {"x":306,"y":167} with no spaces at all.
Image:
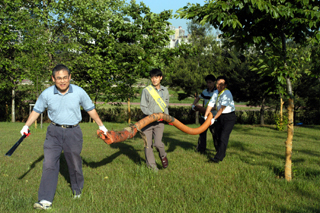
{"x":206,"y":96}
{"x":225,"y":99}
{"x":149,"y":106}
{"x":64,"y":109}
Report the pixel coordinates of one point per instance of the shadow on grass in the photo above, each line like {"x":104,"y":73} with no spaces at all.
{"x":303,"y":208}
{"x":172,"y":144}
{"x":246,"y":155}
{"x":124,"y":149}
{"x":63,"y":167}
{"x":309,"y":152}
{"x":246,"y":130}
{"x":240,"y":146}
{"x":33,"y":165}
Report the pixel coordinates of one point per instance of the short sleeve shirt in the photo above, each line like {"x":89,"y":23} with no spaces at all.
{"x":206,"y":96}
{"x":225,"y":99}
{"x":64,"y":109}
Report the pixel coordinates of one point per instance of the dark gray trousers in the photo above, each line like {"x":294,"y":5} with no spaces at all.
{"x":202,"y":140}
{"x":58,"y":139}
{"x":154,"y":130}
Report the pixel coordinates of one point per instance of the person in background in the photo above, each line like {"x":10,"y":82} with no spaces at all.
{"x":206,"y":95}
{"x":225,"y":118}
{"x":63,"y":101}
{"x":155,"y":99}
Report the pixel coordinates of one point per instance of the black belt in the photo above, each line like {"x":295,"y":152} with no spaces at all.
{"x":228,"y":113}
{"x":65,"y":126}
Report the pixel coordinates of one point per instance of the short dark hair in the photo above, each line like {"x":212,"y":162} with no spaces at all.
{"x":210,"y":78}
{"x":224,"y":78}
{"x":60,"y":67}
{"x":155,"y":72}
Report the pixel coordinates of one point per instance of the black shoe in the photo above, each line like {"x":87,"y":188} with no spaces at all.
{"x":203,"y":152}
{"x":214,"y":160}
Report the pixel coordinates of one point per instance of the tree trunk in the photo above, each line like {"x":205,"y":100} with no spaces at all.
{"x":287,"y":169}
{"x":13,"y":114}
{"x":129,"y":112}
{"x":262,"y":112}
{"x":281,"y":113}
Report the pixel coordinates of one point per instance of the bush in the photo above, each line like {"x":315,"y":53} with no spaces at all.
{"x":280,"y":125}
{"x":182,"y":113}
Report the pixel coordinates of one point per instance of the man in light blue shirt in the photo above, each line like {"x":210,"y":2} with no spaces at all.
{"x":63,"y":101}
{"x":222,"y":99}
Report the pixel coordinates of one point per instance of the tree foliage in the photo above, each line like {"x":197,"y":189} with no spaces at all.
{"x":262,"y":24}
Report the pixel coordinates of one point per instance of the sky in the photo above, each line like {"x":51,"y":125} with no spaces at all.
{"x":158,"y":6}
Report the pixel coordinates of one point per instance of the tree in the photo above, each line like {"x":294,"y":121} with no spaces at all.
{"x":196,"y":60}
{"x":117,"y":44}
{"x":32,"y":42}
{"x":14,"y":17}
{"x":260,"y":24}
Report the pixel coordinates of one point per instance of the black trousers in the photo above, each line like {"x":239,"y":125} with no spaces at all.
{"x":202,"y":140}
{"x":223,"y":128}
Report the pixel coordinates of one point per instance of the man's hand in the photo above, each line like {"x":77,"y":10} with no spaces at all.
{"x":103,"y":129}
{"x":193,"y":107}
{"x":24,"y":130}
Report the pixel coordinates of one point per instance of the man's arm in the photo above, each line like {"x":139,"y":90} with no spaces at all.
{"x":219,"y":112}
{"x":196,"y":100}
{"x":94,"y":115}
{"x":144,"y":103}
{"x":208,"y":110}
{"x":32,"y":117}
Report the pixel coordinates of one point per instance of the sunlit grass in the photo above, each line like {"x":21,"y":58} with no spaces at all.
{"x":250,"y":179}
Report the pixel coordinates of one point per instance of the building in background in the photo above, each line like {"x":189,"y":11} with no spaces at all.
{"x":178,"y":37}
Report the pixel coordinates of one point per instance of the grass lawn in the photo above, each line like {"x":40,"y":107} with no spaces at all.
{"x":250,"y":178}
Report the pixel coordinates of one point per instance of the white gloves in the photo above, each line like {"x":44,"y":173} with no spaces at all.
{"x":212,"y":120}
{"x":24,"y":130}
{"x":193,"y":107}
{"x":103,"y":129}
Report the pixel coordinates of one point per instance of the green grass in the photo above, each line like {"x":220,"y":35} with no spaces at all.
{"x":250,"y":179}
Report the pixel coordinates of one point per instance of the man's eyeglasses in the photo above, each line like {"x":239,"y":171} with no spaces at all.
{"x":61,"y":79}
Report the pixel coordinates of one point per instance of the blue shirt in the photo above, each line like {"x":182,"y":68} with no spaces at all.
{"x":64,"y":109}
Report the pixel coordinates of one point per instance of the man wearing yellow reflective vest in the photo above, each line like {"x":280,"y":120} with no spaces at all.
{"x":155,"y":99}
{"x":222,"y":99}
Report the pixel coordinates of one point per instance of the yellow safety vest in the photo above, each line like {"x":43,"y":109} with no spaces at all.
{"x":155,"y":95}
{"x":220,"y":93}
